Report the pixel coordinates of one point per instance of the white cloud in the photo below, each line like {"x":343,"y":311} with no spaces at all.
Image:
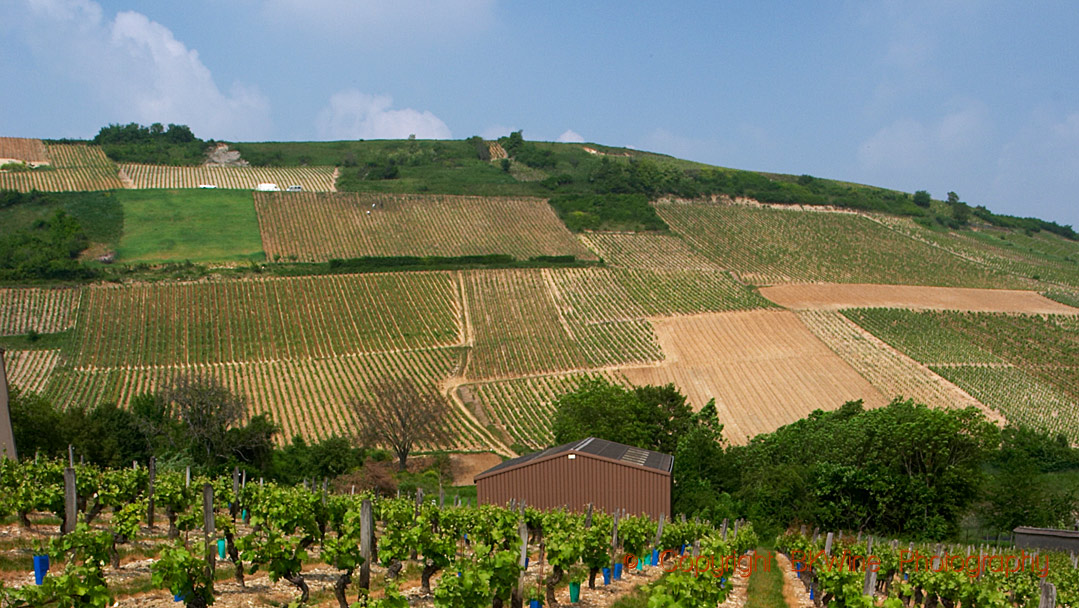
{"x":362,"y":20}
{"x":139,"y":71}
{"x":570,"y":137}
{"x":911,"y":145}
{"x":355,"y":115}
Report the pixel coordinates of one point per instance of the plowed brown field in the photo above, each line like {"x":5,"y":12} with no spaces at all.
{"x":835,"y":296}
{"x":764,"y":368}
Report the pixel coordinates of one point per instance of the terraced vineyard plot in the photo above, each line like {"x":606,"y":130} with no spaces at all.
{"x":519,"y":330}
{"x":73,"y":168}
{"x":892,"y":373}
{"x":1020,"y":396}
{"x":1033,"y":374}
{"x":767,"y":245}
{"x":61,"y":180}
{"x":73,"y":156}
{"x":262,"y":320}
{"x":312,"y":179}
{"x":763,"y":367}
{"x":928,"y":337}
{"x":593,"y":294}
{"x":319,"y":227}
{"x":309,"y":398}
{"x":524,"y":407}
{"x":1045,"y":256}
{"x":838,"y":296}
{"x":45,"y":311}
{"x":956,"y":338}
{"x":1064,"y":296}
{"x":645,"y":250}
{"x":23,"y":149}
{"x":29,"y":370}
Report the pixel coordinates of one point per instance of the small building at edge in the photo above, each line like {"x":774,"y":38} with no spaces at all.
{"x":608,"y":475}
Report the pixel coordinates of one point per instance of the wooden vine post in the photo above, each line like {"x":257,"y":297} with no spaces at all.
{"x":208,"y":528}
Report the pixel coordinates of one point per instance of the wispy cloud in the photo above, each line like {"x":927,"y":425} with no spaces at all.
{"x":355,"y":115}
{"x":138,"y":71}
{"x":570,"y":137}
{"x":915,"y":146}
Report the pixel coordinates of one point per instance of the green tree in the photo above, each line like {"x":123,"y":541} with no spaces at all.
{"x":922,"y":198}
{"x":206,"y":409}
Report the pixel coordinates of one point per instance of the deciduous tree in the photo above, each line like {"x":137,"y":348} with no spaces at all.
{"x":400,"y":415}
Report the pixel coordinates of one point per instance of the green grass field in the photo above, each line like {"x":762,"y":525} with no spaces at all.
{"x":189,"y":225}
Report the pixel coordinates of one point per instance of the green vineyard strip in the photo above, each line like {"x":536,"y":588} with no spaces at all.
{"x":769,"y":245}
{"x":197,"y":323}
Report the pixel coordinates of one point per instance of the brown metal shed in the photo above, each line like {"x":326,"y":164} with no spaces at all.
{"x":610,"y":476}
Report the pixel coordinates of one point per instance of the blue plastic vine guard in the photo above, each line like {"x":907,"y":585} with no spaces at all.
{"x":41,"y":568}
{"x":606,"y":576}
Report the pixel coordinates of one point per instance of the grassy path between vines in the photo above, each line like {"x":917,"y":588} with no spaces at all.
{"x":766,"y":584}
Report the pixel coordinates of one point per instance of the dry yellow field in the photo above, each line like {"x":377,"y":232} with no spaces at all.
{"x":837,"y":296}
{"x":764,"y":368}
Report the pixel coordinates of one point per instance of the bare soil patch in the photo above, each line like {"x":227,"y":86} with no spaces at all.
{"x":836,"y":296}
{"x":466,"y":466}
{"x":764,"y":368}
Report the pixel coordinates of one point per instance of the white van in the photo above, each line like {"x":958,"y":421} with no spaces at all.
{"x":294,"y":189}
{"x":267,"y":188}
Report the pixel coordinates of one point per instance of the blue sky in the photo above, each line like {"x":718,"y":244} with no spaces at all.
{"x":978,"y":97}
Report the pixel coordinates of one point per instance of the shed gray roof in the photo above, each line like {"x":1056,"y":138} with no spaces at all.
{"x":597,"y":447}
{"x":1047,"y":532}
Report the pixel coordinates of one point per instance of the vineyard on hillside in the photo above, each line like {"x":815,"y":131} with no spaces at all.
{"x":524,"y":407}
{"x":520,"y":329}
{"x":1025,"y":366}
{"x":312,"y":179}
{"x":891,"y":372}
{"x":763,"y":368}
{"x":839,"y":296}
{"x":45,"y":311}
{"x":73,"y":168}
{"x":768,"y":245}
{"x":30,"y":370}
{"x":1019,"y":395}
{"x":595,"y":295}
{"x":263,"y":320}
{"x":646,"y":250}
{"x":319,"y":227}
{"x":23,"y":149}
{"x":307,"y":397}
{"x":1043,"y":256}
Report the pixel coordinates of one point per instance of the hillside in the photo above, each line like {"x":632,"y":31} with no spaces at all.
{"x":503,"y":283}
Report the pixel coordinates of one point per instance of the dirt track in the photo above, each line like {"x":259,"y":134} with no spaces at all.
{"x":764,"y":368}
{"x":835,"y":296}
